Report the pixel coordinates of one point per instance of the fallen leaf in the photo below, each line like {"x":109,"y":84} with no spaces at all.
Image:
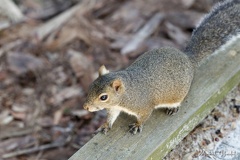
{"x":3,"y":75}
{"x":21,"y":63}
{"x":187,"y":3}
{"x":19,"y":115}
{"x":7,"y":120}
{"x":66,"y":93}
{"x":82,"y":67}
{"x":5,"y":117}
{"x":19,"y":108}
{"x":45,"y":121}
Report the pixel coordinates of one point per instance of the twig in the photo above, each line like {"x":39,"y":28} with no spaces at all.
{"x":53,"y":9}
{"x":9,"y":8}
{"x":55,"y":23}
{"x":145,"y":32}
{"x":4,"y":25}
{"x":9,"y":46}
{"x":176,"y":34}
{"x":17,"y":133}
{"x":39,"y":155}
{"x":58,"y":143}
{"x":207,"y":128}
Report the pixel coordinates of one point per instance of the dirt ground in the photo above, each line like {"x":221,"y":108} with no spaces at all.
{"x":51,"y":53}
{"x":201,"y":143}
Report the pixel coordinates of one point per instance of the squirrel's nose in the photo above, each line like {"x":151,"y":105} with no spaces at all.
{"x":86,"y":107}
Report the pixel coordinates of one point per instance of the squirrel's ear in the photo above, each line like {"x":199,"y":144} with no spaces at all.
{"x":102,"y":70}
{"x":117,"y":85}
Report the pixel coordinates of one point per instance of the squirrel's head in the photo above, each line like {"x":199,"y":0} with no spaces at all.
{"x":105,"y":92}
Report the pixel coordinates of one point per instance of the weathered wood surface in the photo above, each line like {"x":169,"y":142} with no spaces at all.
{"x":213,"y":80}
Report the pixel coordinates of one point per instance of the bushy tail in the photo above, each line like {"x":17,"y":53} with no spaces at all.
{"x":217,"y":28}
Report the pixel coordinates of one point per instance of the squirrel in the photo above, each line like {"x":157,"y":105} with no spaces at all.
{"x":161,"y":78}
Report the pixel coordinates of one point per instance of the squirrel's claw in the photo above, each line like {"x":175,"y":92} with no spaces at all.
{"x":172,"y":111}
{"x":135,"y":127}
{"x":104,"y":129}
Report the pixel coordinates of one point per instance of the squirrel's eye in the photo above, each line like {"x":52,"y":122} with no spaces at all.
{"x":103,"y":97}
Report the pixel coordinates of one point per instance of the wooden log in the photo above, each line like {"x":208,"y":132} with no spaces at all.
{"x":214,"y":78}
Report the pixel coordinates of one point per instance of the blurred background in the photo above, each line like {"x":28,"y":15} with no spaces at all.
{"x":50,"y":52}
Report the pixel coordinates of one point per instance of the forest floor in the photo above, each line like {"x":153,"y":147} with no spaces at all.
{"x":51,"y":53}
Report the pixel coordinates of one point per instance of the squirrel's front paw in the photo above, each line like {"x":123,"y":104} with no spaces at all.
{"x":172,"y":111}
{"x":135,"y":127}
{"x":104,"y":128}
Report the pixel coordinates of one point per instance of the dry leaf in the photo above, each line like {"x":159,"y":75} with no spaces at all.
{"x":66,"y":93}
{"x":5,"y":117}
{"x":19,"y":115}
{"x":187,"y":3}
{"x":21,"y":63}
{"x":82,"y":67}
{"x":45,"y":121}
{"x":20,"y":108}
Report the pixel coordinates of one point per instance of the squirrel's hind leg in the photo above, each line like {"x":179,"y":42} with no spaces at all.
{"x":172,"y":110}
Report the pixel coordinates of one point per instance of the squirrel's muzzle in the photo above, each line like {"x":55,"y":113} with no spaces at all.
{"x":86,"y":107}
{"x":91,"y":108}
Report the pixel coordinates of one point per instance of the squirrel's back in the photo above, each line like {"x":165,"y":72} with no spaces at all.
{"x":165,"y":73}
{"x":215,"y":30}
